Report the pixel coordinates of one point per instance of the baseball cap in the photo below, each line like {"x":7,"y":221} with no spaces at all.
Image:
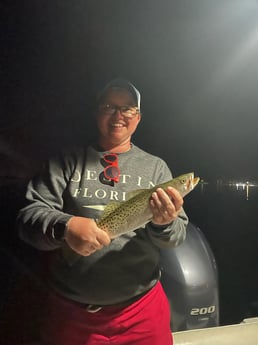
{"x":122,"y":84}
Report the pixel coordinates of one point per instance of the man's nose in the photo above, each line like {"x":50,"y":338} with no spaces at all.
{"x":118,"y":112}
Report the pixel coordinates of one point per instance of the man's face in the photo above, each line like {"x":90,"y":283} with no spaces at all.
{"x":116,"y":128}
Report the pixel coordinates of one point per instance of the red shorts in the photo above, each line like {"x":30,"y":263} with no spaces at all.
{"x":144,"y":322}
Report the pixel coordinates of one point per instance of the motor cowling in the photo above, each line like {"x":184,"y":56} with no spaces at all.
{"x":189,"y":277}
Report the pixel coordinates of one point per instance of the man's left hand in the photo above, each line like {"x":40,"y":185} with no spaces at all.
{"x":165,"y":205}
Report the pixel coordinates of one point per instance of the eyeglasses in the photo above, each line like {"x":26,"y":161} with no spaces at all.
{"x":125,"y":110}
{"x":111,"y":171}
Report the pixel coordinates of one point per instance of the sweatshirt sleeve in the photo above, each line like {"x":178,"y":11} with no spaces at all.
{"x":169,"y":235}
{"x":44,"y":205}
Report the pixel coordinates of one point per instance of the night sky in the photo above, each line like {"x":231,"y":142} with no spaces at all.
{"x":195,"y":63}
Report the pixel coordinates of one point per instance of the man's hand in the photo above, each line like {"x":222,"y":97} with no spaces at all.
{"x":84,"y":236}
{"x":165,"y":205}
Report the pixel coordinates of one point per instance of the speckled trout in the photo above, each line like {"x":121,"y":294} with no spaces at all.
{"x":121,"y":217}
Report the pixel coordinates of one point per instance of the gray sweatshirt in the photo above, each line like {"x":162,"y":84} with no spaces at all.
{"x":72,"y":184}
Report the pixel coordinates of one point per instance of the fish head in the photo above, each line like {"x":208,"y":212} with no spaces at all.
{"x":185,"y":183}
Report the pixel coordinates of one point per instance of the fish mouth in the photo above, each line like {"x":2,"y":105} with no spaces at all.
{"x":193,"y":181}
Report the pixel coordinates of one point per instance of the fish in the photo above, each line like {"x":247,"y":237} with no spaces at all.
{"x":121,"y":217}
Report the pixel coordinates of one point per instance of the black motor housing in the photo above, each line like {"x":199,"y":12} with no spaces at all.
{"x":190,"y":279}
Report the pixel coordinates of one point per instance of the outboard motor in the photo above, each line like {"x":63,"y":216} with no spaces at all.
{"x":190,"y":280}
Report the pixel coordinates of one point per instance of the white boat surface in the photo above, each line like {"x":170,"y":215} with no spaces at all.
{"x":244,"y":333}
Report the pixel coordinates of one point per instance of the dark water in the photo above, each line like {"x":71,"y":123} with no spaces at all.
{"x":227,"y":219}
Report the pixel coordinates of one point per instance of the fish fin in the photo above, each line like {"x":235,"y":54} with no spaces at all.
{"x":96,"y":207}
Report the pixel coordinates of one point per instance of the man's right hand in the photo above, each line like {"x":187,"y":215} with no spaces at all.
{"x":84,"y":236}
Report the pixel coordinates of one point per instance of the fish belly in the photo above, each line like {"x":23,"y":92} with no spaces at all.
{"x":135,"y":220}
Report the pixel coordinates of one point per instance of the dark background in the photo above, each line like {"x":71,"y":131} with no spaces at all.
{"x":195,"y":63}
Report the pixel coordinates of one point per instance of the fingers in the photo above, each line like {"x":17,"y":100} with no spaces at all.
{"x":176,"y":198}
{"x":90,"y":248}
{"x":103,"y":238}
{"x":95,"y":242}
{"x":165,"y":205}
{"x":84,"y":236}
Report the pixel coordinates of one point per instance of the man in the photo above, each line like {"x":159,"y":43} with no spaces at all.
{"x":103,"y":291}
